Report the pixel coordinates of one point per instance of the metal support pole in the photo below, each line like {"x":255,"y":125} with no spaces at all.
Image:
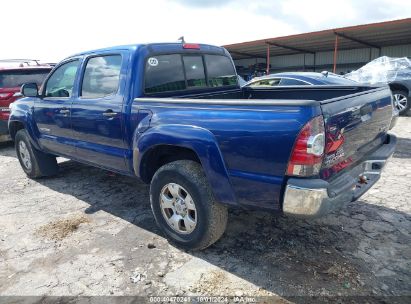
{"x":335,"y":54}
{"x":268,"y":59}
{"x":314,"y":63}
{"x":304,"y":63}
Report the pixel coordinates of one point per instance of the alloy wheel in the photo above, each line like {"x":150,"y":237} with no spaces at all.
{"x":400,"y":101}
{"x":25,"y":155}
{"x":178,"y":208}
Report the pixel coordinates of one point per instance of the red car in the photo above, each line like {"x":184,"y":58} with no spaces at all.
{"x":11,"y":78}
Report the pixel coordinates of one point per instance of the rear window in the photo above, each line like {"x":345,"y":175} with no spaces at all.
{"x":164,"y":73}
{"x":194,"y":68}
{"x":176,"y":72}
{"x":13,"y":79}
{"x":220,"y":71}
{"x":337,"y":80}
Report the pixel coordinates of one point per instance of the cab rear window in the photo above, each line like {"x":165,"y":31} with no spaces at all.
{"x":177,"y":72}
{"x":164,"y":73}
{"x":220,"y":71}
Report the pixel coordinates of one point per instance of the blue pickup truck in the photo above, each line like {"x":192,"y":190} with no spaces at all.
{"x":174,"y":116}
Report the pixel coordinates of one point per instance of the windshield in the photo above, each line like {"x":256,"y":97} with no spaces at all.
{"x":15,"y":78}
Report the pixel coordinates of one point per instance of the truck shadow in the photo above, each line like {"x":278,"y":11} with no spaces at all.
{"x":355,"y":251}
{"x":403,"y":148}
{"x":5,"y":146}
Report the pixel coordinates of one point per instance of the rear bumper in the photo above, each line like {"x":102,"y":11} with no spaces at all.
{"x":4,"y":131}
{"x":316,"y":197}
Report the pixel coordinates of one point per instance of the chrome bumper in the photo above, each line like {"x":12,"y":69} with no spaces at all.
{"x":315,"y":197}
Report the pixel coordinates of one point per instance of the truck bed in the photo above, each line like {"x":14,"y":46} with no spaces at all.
{"x":256,"y":129}
{"x":358,"y":115}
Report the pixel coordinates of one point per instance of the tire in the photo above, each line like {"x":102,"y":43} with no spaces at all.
{"x":206,"y":219}
{"x":34,"y":162}
{"x":401,"y":101}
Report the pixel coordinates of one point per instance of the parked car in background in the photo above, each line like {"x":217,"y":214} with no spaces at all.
{"x":13,"y":73}
{"x":292,"y":80}
{"x":396,"y":72}
{"x":174,"y":116}
{"x":298,"y":79}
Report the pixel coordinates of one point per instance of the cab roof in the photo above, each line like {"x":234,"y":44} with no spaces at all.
{"x":156,"y":47}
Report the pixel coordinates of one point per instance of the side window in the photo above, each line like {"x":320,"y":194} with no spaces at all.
{"x":164,"y":73}
{"x":194,"y":69}
{"x":289,"y":81}
{"x":61,"y":82}
{"x":265,"y":83}
{"x":101,"y":76}
{"x":220,"y":71}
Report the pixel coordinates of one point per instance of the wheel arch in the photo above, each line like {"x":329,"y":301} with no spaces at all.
{"x":395,"y":86}
{"x":160,"y":145}
{"x":161,"y":154}
{"x":14,"y":127}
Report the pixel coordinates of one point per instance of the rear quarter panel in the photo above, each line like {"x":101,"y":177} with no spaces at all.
{"x":254,"y":143}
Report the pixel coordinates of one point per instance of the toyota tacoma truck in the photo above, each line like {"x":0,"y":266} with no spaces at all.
{"x":174,"y":116}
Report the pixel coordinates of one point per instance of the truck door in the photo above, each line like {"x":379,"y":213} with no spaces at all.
{"x":97,"y":112}
{"x":52,"y":110}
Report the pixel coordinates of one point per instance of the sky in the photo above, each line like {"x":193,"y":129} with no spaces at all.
{"x":52,"y":30}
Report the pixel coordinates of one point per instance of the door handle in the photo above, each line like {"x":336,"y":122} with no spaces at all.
{"x":109,"y":113}
{"x":64,"y":111}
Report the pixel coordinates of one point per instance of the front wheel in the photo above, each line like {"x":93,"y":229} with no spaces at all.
{"x":34,"y":162}
{"x":401,"y":101}
{"x":184,"y":207}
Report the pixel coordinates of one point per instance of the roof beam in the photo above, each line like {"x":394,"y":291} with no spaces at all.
{"x":245,"y":54}
{"x":357,"y":40}
{"x":289,"y":47}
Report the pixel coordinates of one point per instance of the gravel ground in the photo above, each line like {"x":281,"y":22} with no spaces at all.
{"x":89,"y":232}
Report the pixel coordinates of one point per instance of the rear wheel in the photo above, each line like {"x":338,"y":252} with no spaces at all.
{"x":34,"y":162}
{"x":401,"y":101}
{"x":184,"y":206}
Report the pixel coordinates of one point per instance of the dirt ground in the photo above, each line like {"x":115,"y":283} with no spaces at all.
{"x":89,"y":232}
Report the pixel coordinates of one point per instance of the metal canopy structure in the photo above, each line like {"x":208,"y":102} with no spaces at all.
{"x":374,"y":35}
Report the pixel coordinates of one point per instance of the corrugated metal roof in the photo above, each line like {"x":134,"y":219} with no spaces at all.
{"x":374,"y":35}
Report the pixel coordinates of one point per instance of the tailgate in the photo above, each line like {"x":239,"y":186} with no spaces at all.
{"x":355,"y":126}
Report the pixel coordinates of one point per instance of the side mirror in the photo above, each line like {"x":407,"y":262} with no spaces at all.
{"x":29,"y":90}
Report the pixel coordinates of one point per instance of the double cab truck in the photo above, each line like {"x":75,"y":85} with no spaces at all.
{"x":174,"y":116}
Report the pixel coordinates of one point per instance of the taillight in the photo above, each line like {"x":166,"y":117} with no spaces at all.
{"x":4,"y":113}
{"x":307,"y":154}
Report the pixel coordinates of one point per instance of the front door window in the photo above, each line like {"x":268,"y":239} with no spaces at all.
{"x":61,"y":82}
